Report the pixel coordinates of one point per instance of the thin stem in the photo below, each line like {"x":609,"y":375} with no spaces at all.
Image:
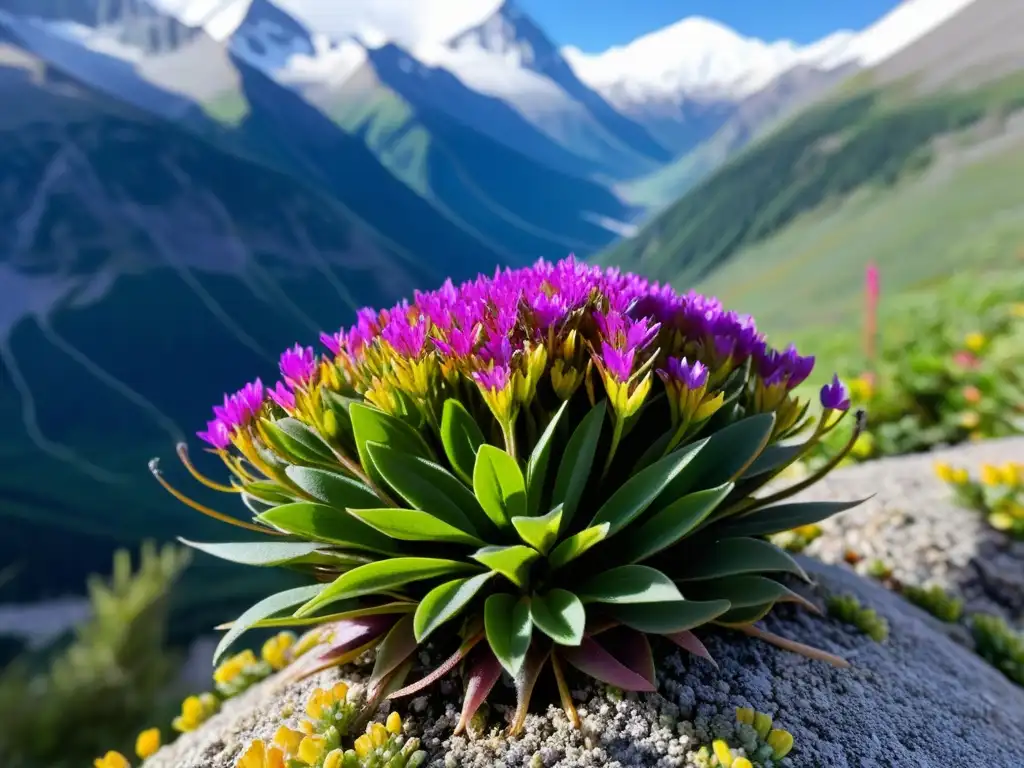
{"x":182,"y":451}
{"x":508,"y":431}
{"x":154,"y":468}
{"x":616,"y":438}
{"x":563,"y":693}
{"x":792,"y":645}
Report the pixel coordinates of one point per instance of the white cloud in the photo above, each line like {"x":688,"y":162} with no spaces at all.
{"x":405,"y":21}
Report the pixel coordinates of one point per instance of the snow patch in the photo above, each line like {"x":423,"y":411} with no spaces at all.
{"x":331,"y":63}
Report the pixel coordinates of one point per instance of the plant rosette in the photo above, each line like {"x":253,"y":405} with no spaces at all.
{"x":998,"y":493}
{"x":536,"y":471}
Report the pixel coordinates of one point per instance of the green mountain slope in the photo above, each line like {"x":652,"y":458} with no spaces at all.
{"x":946,"y":104}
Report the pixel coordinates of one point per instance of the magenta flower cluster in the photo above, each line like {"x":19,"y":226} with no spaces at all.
{"x":489,"y":329}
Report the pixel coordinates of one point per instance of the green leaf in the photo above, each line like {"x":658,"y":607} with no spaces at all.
{"x":732,"y":557}
{"x":499,"y":485}
{"x":428,"y":487}
{"x":748,"y":615}
{"x":670,"y":525}
{"x":629,"y":584}
{"x":331,"y":488}
{"x":262,"y":553}
{"x":773,"y":458}
{"x":323,"y":523}
{"x":577,"y":544}
{"x":444,"y":602}
{"x":537,"y":466}
{"x":370,"y":425}
{"x":635,"y":495}
{"x":264,"y":609}
{"x":670,"y":617}
{"x":509,"y":629}
{"x":461,"y":438}
{"x":540,"y":532}
{"x":743,"y":591}
{"x":560,"y":615}
{"x":783,"y":517}
{"x":269,"y":492}
{"x":577,"y":460}
{"x":722,"y":458}
{"x":414,"y":525}
{"x":512,"y":562}
{"x":294,"y":442}
{"x":382,"y":576}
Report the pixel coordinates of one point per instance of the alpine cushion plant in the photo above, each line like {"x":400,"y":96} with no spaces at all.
{"x":550,"y":465}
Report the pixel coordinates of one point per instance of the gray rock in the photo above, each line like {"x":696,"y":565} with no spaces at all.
{"x":918,"y":699}
{"x":914,"y":526}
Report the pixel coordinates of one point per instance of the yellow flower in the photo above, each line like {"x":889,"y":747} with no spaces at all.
{"x":379,"y":734}
{"x":969,"y":419}
{"x":960,"y":476}
{"x":745,"y":715}
{"x":781,"y":743}
{"x":147,"y":743}
{"x":944,"y":471}
{"x":742,"y":762}
{"x":259,"y":755}
{"x":311,"y":749}
{"x":864,"y":445}
{"x":975,"y":342}
{"x":1012,"y":473}
{"x":233,"y":667}
{"x":861,"y":389}
{"x":334,"y":759}
{"x":1017,"y":310}
{"x":991,"y":475}
{"x":112,"y":760}
{"x":195,"y":710}
{"x":307,"y":642}
{"x":394,"y":723}
{"x":275,"y":650}
{"x":723,"y":753}
{"x":288,"y":739}
{"x":1001,"y":521}
{"x":363,"y":746}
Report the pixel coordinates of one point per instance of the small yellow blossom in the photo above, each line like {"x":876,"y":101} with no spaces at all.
{"x":781,"y":743}
{"x":363,"y":746}
{"x":745,"y":715}
{"x":975,"y":342}
{"x":288,"y":739}
{"x":762,"y":724}
{"x":1017,"y":310}
{"x":1012,"y":473}
{"x":991,"y":475}
{"x":229,"y":670}
{"x":861,"y":389}
{"x":311,"y":749}
{"x":195,"y":710}
{"x":1001,"y":521}
{"x":379,"y":734}
{"x":742,"y":762}
{"x":112,"y":760}
{"x":147,"y":743}
{"x":259,"y":755}
{"x":969,"y":419}
{"x":275,"y":650}
{"x":394,"y":723}
{"x":334,"y":759}
{"x":723,"y":753}
{"x":944,"y":471}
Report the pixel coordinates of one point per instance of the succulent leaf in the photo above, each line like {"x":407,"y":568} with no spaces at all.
{"x":629,"y":584}
{"x":263,"y":553}
{"x":318,"y":521}
{"x":669,"y":617}
{"x":670,"y":525}
{"x":461,"y":438}
{"x":735,"y":556}
{"x":578,"y":544}
{"x":483,"y":674}
{"x":513,"y":562}
{"x":374,"y":578}
{"x":509,"y":628}
{"x":414,"y":525}
{"x":499,"y":486}
{"x":539,"y":532}
{"x":591,"y":659}
{"x":332,"y":488}
{"x":371,"y":425}
{"x":265,"y":608}
{"x":444,"y":602}
{"x":577,"y":460}
{"x":784,"y":517}
{"x":560,"y":615}
{"x":537,"y":465}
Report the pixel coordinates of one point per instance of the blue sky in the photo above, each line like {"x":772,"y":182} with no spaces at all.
{"x":595,"y":25}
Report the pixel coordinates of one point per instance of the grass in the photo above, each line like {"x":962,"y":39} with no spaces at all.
{"x":811,"y":274}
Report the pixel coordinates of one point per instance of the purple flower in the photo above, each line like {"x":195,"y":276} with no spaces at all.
{"x":406,"y":337}
{"x":495,"y":378}
{"x":619,"y":363}
{"x":237,"y":411}
{"x":835,"y":396}
{"x":217,"y":434}
{"x":283,"y":396}
{"x":691,"y":375}
{"x":298,"y":365}
{"x":333,"y":342}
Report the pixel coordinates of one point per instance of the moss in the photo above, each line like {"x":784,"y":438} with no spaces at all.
{"x":849,"y":610}
{"x":939,"y":603}
{"x":999,"y":645}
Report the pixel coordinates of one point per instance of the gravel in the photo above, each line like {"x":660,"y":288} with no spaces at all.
{"x":918,"y":699}
{"x":914,"y":526}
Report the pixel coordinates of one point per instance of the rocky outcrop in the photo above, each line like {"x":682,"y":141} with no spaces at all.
{"x":916,"y":699}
